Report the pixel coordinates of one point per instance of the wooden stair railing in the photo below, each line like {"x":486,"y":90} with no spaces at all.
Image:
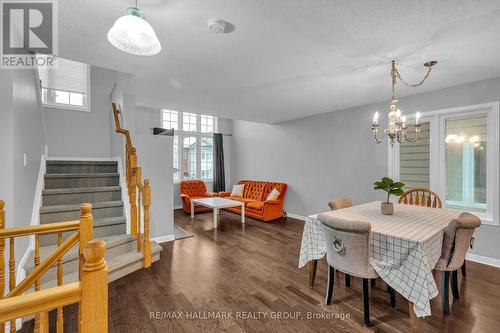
{"x":90,"y":291}
{"x":139,"y":193}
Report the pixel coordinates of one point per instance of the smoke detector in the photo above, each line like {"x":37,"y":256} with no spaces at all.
{"x":216,"y":25}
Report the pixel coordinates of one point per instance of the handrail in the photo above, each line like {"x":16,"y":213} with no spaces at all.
{"x":40,"y":229}
{"x":91,"y":292}
{"x":139,"y":193}
{"x":40,"y":301}
{"x":83,"y":234}
{"x":44,"y":266}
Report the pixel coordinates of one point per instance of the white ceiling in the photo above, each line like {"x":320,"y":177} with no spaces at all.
{"x":288,"y":58}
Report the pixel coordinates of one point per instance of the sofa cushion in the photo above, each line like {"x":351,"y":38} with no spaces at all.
{"x":257,"y":205}
{"x":245,"y":200}
{"x":193,"y":188}
{"x":238,"y":190}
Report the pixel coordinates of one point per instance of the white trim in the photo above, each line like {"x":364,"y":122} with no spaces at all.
{"x":124,"y":191}
{"x":483,"y":260}
{"x":35,"y":217}
{"x":436,"y":119}
{"x":163,"y":239}
{"x":178,"y":207}
{"x":296,"y":216}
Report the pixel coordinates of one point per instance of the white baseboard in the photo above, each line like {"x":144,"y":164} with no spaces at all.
{"x":164,"y":239}
{"x":296,"y":216}
{"x":177,"y":206}
{"x":483,"y":260}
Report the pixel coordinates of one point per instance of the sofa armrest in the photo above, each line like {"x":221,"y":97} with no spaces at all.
{"x":184,"y":196}
{"x":224,"y":194}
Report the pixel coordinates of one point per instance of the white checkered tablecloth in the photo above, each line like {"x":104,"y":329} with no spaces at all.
{"x":405,"y":247}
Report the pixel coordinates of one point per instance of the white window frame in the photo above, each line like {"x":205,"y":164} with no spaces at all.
{"x":436,"y":119}
{"x":181,"y":134}
{"x":51,"y":97}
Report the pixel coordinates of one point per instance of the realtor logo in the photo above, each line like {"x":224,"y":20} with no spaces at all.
{"x":29,"y":34}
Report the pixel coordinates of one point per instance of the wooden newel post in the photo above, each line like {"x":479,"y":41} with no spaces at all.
{"x":86,"y":230}
{"x":147,"y":243}
{"x":94,"y":304}
{"x":132,"y":193}
{"x":2,"y":260}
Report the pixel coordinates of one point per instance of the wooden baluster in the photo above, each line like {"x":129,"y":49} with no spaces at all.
{"x":12,"y":276}
{"x":36,"y":261}
{"x":423,"y":199}
{"x":411,"y":198}
{"x":405,"y":200}
{"x":417,"y":199}
{"x":138,"y":172}
{"x":434,"y":202}
{"x":429,"y":201}
{"x":94,"y":305}
{"x":2,"y":259}
{"x":86,"y":235}
{"x":132,"y":194}
{"x":60,"y":318}
{"x":147,"y":243}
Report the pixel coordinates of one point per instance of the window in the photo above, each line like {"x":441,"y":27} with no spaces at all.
{"x":207,"y":124}
{"x":465,"y":162}
{"x":170,"y":119}
{"x":456,"y":156}
{"x":195,"y":158}
{"x":189,"y":122}
{"x":66,"y":86}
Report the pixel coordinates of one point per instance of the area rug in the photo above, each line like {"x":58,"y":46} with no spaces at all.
{"x":180,"y":233}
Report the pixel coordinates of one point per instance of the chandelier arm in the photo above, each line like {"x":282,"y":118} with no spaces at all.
{"x":375,"y":131}
{"x":411,"y":140}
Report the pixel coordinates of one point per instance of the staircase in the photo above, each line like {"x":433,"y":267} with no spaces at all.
{"x":67,"y":185}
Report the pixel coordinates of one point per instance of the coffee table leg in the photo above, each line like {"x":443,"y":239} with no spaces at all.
{"x":216,"y":213}
{"x":243,"y":213}
{"x":192,"y":210}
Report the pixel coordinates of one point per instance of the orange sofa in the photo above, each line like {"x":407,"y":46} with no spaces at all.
{"x":194,"y":189}
{"x":254,"y":197}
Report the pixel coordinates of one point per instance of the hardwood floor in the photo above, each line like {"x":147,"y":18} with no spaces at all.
{"x":252,"y":269}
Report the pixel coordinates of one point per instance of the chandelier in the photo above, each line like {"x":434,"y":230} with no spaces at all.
{"x":397,"y":130}
{"x":132,"y":34}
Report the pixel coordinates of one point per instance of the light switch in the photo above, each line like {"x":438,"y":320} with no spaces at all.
{"x":25,"y":159}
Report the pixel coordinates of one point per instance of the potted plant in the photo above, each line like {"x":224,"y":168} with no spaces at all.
{"x":392,"y":188}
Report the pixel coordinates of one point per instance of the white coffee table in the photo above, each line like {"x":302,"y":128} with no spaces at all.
{"x":217,"y":203}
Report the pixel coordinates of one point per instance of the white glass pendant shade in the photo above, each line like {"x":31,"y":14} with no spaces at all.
{"x":133,"y":34}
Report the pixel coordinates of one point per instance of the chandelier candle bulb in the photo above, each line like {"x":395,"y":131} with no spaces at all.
{"x":375,"y":118}
{"x":417,"y":117}
{"x":403,"y":120}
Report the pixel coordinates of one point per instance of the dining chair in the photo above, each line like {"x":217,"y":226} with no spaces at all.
{"x":340,"y":203}
{"x":347,"y":250}
{"x":427,"y":198}
{"x":456,"y":242}
{"x":420,"y":197}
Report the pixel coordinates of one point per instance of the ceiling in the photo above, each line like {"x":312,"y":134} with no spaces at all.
{"x":288,"y":59}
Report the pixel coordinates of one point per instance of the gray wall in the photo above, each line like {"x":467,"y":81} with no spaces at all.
{"x":84,"y":134}
{"x":333,"y":154}
{"x":21,"y":133}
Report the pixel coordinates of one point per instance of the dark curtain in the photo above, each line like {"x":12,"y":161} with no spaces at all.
{"x":219,"y":176}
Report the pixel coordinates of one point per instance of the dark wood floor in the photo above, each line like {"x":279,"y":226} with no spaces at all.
{"x":252,"y":269}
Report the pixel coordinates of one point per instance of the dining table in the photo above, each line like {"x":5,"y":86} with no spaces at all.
{"x":404,"y":247}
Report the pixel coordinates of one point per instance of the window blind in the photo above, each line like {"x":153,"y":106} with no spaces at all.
{"x":68,"y":76}
{"x":414,"y":160}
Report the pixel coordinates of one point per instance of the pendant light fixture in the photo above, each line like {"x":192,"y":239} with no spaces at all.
{"x":131,"y":33}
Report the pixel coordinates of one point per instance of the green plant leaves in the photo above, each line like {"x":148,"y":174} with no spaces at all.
{"x":388,"y":185}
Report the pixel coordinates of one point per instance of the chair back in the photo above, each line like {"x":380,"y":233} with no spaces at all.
{"x":420,"y":197}
{"x":340,"y":203}
{"x":193,"y":188}
{"x":348,"y":245}
{"x":457,"y":240}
